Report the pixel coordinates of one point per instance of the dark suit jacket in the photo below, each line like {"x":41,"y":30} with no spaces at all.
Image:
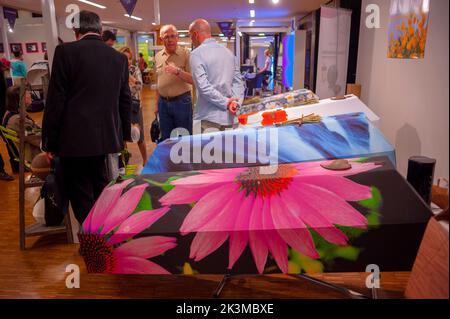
{"x":88,"y":107}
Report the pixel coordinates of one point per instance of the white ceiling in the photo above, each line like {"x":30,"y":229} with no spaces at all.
{"x":180,"y":12}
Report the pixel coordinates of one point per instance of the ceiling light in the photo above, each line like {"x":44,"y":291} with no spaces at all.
{"x":221,"y":35}
{"x":93,"y":4}
{"x":275,"y":1}
{"x":153,"y":23}
{"x":252,"y":13}
{"x":182,"y":35}
{"x":251,"y":1}
{"x":261,"y":34}
{"x":133,"y":17}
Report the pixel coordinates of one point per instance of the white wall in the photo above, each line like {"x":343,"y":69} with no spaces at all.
{"x":299,"y":60}
{"x":30,"y":30}
{"x":410,"y":96}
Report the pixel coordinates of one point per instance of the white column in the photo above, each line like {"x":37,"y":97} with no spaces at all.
{"x":4,"y":35}
{"x":237,"y":47}
{"x":51,"y":28}
{"x":157,"y":12}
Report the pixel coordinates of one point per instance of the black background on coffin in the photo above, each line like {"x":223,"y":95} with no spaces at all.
{"x":392,"y":246}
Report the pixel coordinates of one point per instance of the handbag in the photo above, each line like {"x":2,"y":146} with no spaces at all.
{"x":135,"y":109}
{"x":155,"y":131}
{"x":55,"y":201}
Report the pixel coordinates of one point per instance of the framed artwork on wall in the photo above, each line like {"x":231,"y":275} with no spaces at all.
{"x":408,"y":28}
{"x":16,"y":47}
{"x":44,"y":47}
{"x":32,"y":47}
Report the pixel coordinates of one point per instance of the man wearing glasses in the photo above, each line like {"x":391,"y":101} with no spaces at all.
{"x":174,"y":82}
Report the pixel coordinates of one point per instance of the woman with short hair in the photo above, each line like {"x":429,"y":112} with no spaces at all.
{"x":135,"y":81}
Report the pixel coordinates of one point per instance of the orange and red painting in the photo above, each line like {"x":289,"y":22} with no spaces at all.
{"x":408,"y":27}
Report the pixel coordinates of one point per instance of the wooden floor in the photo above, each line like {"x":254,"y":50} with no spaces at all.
{"x":39,"y":272}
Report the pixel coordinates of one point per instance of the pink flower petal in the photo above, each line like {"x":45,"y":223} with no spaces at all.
{"x":357,"y":168}
{"x":146,"y":247}
{"x":239,"y":237}
{"x":226,"y":217}
{"x":206,"y":243}
{"x":257,"y":238}
{"x":207,"y":207}
{"x":336,"y":210}
{"x":303,"y":210}
{"x":123,"y":208}
{"x":187,"y":194}
{"x":103,"y":206}
{"x":341,"y":186}
{"x":292,"y":230}
{"x":137,"y":266}
{"x":210,"y":177}
{"x":277,"y":246}
{"x":136,"y":224}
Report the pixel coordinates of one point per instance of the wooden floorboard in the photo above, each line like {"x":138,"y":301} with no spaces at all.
{"x":39,"y":272}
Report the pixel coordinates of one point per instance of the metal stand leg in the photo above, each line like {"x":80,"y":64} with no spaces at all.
{"x":222,"y":284}
{"x":352,"y":294}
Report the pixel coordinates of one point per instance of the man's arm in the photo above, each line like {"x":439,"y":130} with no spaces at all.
{"x":56,"y":100}
{"x":203,"y":85}
{"x":186,"y":77}
{"x":125,"y":102}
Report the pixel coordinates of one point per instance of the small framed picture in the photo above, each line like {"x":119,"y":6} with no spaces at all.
{"x":32,"y":47}
{"x":44,"y":47}
{"x":16,"y":47}
{"x":2,"y":48}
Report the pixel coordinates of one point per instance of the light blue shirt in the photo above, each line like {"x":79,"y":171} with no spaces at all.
{"x":18,"y":69}
{"x":217,"y":77}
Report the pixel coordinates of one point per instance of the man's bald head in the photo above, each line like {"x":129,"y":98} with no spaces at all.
{"x":201,"y":26}
{"x":199,"y":30}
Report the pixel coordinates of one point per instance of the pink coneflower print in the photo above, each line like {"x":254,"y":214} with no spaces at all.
{"x":269,"y":212}
{"x":105,"y":238}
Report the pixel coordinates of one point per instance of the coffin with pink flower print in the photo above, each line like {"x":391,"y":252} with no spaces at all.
{"x":298,"y":217}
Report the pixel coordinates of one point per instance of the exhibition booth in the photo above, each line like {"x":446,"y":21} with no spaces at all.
{"x":334,"y":163}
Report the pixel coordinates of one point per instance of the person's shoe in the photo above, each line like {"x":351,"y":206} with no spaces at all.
{"x":5,"y":177}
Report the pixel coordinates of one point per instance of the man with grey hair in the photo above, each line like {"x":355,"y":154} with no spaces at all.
{"x":174,"y":81}
{"x":217,"y":78}
{"x":88,"y":112}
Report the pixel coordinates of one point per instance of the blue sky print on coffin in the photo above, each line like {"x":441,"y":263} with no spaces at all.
{"x":340,"y":136}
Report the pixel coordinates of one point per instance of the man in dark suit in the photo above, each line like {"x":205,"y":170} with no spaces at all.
{"x":87,"y":114}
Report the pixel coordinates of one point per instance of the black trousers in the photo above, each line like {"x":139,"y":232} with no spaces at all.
{"x":84,"y":179}
{"x":2,"y":164}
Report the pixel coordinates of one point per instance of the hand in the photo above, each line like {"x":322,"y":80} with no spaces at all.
{"x":50,"y":156}
{"x":132,"y":80}
{"x":232,"y":105}
{"x":171,"y":69}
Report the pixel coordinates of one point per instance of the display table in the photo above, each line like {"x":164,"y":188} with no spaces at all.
{"x":300,"y":217}
{"x":341,"y":136}
{"x":328,"y":107}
